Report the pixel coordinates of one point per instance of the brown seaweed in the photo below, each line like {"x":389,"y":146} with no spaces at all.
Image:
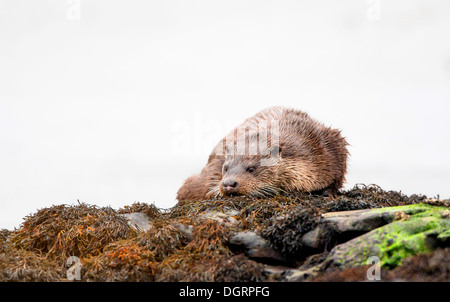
{"x":181,"y":244}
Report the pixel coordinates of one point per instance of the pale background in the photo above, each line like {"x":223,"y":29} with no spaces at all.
{"x":112,"y":102}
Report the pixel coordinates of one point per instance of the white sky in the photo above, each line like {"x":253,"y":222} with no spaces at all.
{"x":122,"y":100}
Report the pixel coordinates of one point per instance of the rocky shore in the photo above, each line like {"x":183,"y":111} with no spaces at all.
{"x":361,"y":234}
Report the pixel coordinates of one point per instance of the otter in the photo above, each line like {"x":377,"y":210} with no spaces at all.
{"x":278,"y":150}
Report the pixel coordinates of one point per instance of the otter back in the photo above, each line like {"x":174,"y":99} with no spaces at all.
{"x":277,"y":150}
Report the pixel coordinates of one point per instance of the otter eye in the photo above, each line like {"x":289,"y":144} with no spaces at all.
{"x":251,"y":169}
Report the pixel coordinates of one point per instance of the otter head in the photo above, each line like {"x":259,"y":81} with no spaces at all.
{"x":251,"y":175}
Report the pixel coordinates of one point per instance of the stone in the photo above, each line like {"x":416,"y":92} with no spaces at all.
{"x":421,"y":232}
{"x":188,"y":230}
{"x":225,"y":217}
{"x":357,"y":221}
{"x":317,"y":238}
{"x":138,"y":221}
{"x":338,"y":227}
{"x":299,"y":275}
{"x":255,"y":247}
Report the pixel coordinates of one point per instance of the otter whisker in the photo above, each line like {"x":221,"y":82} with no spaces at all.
{"x":214,"y":192}
{"x":264,"y":191}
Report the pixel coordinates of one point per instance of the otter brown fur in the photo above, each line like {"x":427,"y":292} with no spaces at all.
{"x":277,"y":150}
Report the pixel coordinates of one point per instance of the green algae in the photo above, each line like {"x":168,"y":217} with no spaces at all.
{"x":418,"y":210}
{"x":444,"y":236}
{"x":402,"y":239}
{"x":420,"y":231}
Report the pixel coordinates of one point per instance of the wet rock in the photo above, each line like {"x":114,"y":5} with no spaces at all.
{"x":338,"y":227}
{"x":310,"y":268}
{"x":358,"y":220}
{"x":225,"y":217}
{"x":423,"y":231}
{"x":255,"y":247}
{"x":298,"y":275}
{"x":318,"y":238}
{"x":188,"y":230}
{"x":138,"y":221}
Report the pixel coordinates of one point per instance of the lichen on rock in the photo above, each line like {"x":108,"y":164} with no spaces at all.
{"x":422,"y":232}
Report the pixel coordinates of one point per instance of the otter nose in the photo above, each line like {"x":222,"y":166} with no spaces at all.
{"x":230,"y":185}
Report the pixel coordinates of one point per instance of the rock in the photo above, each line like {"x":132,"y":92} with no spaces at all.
{"x":318,"y":238}
{"x":424,"y":230}
{"x":307,"y":270}
{"x":188,"y":230}
{"x":276,"y":272}
{"x":357,"y":221}
{"x":437,"y":202}
{"x":138,"y":221}
{"x":255,"y":247}
{"x":298,"y":275}
{"x":339,"y":227}
{"x":141,"y":222}
{"x":225,"y":217}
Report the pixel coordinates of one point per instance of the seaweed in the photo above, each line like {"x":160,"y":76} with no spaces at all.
{"x":429,"y":267}
{"x":63,"y":230}
{"x":22,"y":265}
{"x":123,"y":260}
{"x":285,"y":232}
{"x":150,"y":210}
{"x":183,"y":243}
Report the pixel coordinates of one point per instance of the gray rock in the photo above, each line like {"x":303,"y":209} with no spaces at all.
{"x":188,"y":230}
{"x":138,"y":221}
{"x":225,"y":217}
{"x":255,"y":247}
{"x":317,"y":238}
{"x":420,"y":229}
{"x":141,"y":222}
{"x":298,"y":275}
{"x":338,"y":227}
{"x":357,"y":221}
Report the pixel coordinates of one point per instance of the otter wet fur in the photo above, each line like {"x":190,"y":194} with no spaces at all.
{"x":278,"y":150}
